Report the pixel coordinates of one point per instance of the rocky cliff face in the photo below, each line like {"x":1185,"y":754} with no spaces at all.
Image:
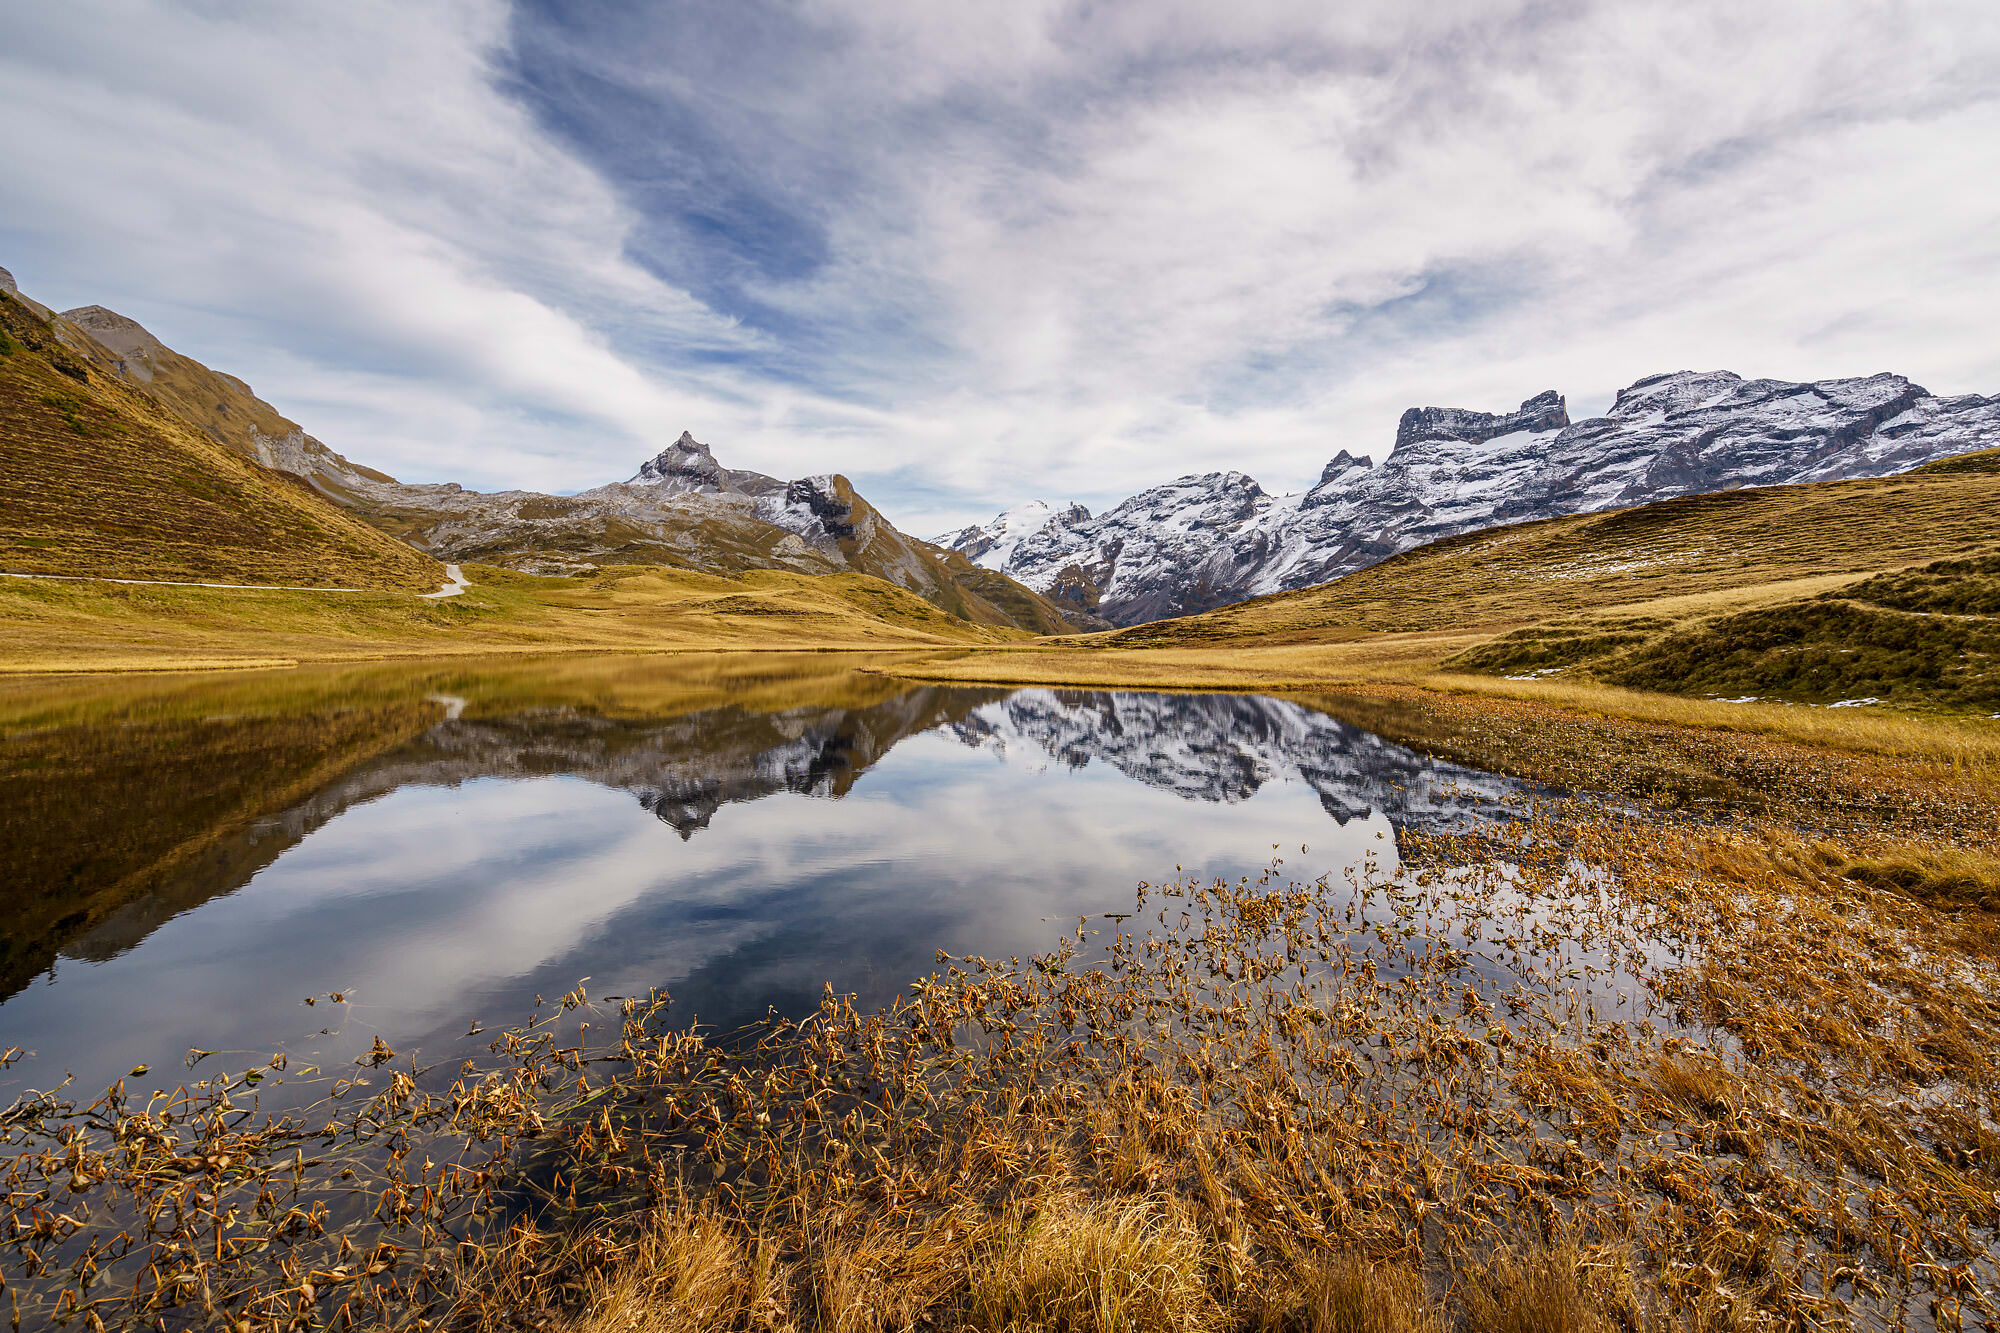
{"x":688,"y":465}
{"x":1205,"y":541}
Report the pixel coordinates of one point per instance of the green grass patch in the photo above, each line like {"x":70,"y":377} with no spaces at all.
{"x":1826,"y":650}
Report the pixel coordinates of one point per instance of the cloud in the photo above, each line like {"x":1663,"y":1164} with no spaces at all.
{"x":972,"y":254}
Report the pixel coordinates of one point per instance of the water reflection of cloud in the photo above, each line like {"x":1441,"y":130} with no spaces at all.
{"x":432,"y":905}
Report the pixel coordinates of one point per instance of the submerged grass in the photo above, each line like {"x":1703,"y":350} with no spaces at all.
{"x":1590,"y":1069}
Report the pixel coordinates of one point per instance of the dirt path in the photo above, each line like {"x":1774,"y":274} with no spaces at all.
{"x":455,"y":583}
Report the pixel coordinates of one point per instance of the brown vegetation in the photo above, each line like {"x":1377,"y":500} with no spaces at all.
{"x":100,"y":480}
{"x":1676,"y":558}
{"x":1595,"y":1070}
{"x":101,"y":626}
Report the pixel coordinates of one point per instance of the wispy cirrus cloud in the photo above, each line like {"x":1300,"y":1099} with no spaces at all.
{"x":968,"y":254}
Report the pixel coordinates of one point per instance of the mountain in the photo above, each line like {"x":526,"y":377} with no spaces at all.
{"x":100,"y":478}
{"x":1205,"y":541}
{"x":681,"y":508}
{"x":992,"y":545}
{"x":1875,"y":589}
{"x":684,"y":509}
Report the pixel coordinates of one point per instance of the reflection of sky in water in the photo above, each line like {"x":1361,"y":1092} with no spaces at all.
{"x":434,"y":905}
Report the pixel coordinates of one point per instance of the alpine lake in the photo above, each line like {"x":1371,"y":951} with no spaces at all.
{"x":278,"y":869}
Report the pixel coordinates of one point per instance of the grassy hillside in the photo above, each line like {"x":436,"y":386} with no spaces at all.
{"x":100,"y":480}
{"x":549,"y":534}
{"x":565,"y":534}
{"x":1674,"y":559}
{"x":103,"y":626}
{"x":221,"y":406}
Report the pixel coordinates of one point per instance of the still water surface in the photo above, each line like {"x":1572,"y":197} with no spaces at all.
{"x":191,"y":860}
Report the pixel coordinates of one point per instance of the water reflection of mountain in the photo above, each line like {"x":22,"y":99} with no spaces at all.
{"x":682,"y":768}
{"x":1223,"y":747}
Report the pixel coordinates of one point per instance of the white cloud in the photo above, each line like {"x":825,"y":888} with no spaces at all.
{"x":1053,"y":249}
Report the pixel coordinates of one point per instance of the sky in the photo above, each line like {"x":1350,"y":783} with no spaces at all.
{"x":973,"y":254}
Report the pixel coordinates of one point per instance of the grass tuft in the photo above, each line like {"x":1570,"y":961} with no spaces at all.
{"x":1536,"y":1290}
{"x":1069,"y":1265}
{"x":1347,"y":1293}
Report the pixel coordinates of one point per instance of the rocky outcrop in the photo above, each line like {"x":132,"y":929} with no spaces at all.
{"x":139,"y":353}
{"x":1205,"y":541}
{"x":1545,"y":411}
{"x":8,"y":285}
{"x":688,"y":465}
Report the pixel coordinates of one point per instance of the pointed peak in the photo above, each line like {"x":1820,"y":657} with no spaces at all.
{"x":685,"y":465}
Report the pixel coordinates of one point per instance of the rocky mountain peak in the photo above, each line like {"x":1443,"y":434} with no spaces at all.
{"x":1545,"y":411}
{"x":1203,"y":541}
{"x":123,"y":337}
{"x":1341,"y":464}
{"x":684,"y":465}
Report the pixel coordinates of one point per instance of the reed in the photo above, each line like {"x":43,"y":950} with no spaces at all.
{"x":1587,"y":1069}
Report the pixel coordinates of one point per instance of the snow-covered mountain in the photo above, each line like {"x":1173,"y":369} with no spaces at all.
{"x":992,"y":545}
{"x":1205,"y":541}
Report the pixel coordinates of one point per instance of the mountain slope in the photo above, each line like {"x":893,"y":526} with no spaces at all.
{"x":98,"y":479}
{"x":1204,"y":541}
{"x":685,"y":510}
{"x":221,"y":406}
{"x":682,"y":509}
{"x":1878,"y":589}
{"x":1679,"y":552}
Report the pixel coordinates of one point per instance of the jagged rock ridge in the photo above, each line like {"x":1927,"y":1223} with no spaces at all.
{"x":1205,"y":541}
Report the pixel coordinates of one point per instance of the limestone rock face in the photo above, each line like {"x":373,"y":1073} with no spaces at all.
{"x":1545,"y":411}
{"x":1205,"y":541}
{"x":139,"y":352}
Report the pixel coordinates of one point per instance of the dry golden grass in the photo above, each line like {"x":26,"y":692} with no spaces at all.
{"x":693,"y":1272}
{"x":1075,"y":1265}
{"x":52,"y":626}
{"x":1694,"y":555}
{"x":98,"y":479}
{"x":1590,"y":1070}
{"x":1540,"y":1289}
{"x":1348,"y":1293}
{"x":1693,"y":594}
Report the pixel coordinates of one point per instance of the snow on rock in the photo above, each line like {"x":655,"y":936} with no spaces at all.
{"x":687,"y":466}
{"x":1205,"y":541}
{"x":993,"y":544}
